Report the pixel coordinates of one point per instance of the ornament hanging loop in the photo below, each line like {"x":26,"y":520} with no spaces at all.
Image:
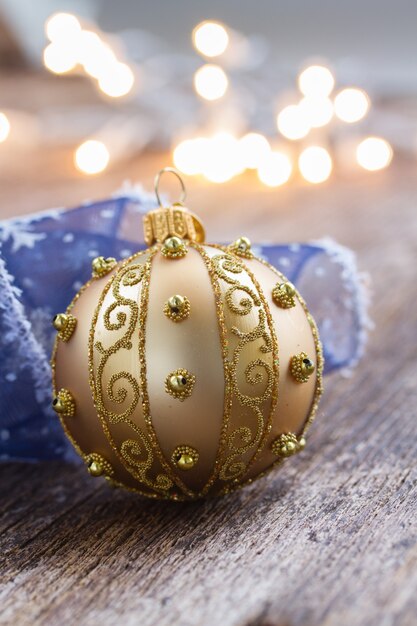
{"x":171,"y":170}
{"x":174,"y":220}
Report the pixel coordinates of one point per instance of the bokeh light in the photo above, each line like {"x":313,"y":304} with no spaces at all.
{"x":254,"y":148}
{"x":99,"y":61}
{"x":96,"y":57}
{"x":315,"y":164}
{"x":217,"y":158}
{"x":210,"y":82}
{"x":222,"y":160}
{"x":316,"y":81}
{"x":4,"y":127}
{"x":92,"y":157}
{"x":275,"y":169}
{"x":117,"y":81}
{"x":73,"y":46}
{"x":317,"y":111}
{"x":351,"y":105}
{"x":189,"y":155}
{"x":210,"y":38}
{"x":62,"y":27}
{"x":60,"y":58}
{"x":222,"y":156}
{"x":292,"y":123}
{"x":374,"y":153}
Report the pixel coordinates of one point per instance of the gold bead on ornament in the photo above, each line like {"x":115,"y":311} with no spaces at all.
{"x":102,"y":266}
{"x":242,"y":247}
{"x":64,"y":403}
{"x":95,"y":469}
{"x":287,"y":444}
{"x":177,"y":308}
{"x":97,"y":466}
{"x":179,"y":384}
{"x":174,"y":248}
{"x":283,"y":294}
{"x":185,"y":457}
{"x":301,"y":367}
{"x":65,"y":324}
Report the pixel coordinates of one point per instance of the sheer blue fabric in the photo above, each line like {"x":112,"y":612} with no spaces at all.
{"x":44,"y":260}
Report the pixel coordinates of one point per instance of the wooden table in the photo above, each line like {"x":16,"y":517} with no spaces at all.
{"x":330,"y":539}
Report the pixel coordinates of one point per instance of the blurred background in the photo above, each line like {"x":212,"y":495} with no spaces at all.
{"x":266,"y":108}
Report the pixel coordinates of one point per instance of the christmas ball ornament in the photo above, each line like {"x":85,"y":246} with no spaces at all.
{"x":188,"y":369}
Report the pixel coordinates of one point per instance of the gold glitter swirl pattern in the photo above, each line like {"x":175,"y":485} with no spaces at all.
{"x":240,"y":301}
{"x":120,"y":319}
{"x":82,"y":453}
{"x":119,"y":394}
{"x":123,"y":342}
{"x":133,"y":454}
{"x":317,"y":392}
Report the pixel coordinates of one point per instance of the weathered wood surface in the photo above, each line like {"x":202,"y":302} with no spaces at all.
{"x":330,"y":539}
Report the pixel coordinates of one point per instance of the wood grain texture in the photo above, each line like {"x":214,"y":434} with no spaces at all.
{"x":329,"y":539}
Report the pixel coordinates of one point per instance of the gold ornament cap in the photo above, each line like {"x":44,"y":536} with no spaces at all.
{"x":173,"y":221}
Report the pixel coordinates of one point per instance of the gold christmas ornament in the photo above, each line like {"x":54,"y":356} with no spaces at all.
{"x":193,"y":408}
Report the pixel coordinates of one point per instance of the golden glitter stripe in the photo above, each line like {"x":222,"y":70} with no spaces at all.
{"x":233,"y":462}
{"x":131,"y":450}
{"x":242,"y":438}
{"x":318,"y":391}
{"x":227,"y":406}
{"x":275,"y":363}
{"x":135,"y":467}
{"x":82,"y":454}
{"x":96,"y":379}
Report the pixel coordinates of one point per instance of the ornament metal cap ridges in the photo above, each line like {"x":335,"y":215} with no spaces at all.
{"x":201,"y":406}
